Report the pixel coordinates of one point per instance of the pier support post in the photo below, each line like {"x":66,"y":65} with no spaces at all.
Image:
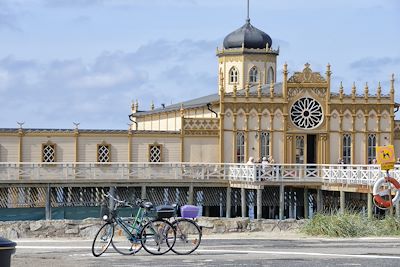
{"x":243,"y":195}
{"x":48,"y":203}
{"x":306,"y":204}
{"x":319,"y":200}
{"x":369,"y":205}
{"x":342,"y":201}
{"x":206,"y":211}
{"x":111,"y":201}
{"x":281,"y":201}
{"x":143,"y":192}
{"x":191,"y":191}
{"x":259,"y":203}
{"x":228,"y":201}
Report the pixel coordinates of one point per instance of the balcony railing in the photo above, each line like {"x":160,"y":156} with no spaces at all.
{"x":257,"y":173}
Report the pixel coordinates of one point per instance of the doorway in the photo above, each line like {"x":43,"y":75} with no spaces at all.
{"x":311,"y":149}
{"x":305,"y":149}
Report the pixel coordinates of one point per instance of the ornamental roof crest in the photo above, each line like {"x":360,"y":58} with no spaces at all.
{"x":307,"y":76}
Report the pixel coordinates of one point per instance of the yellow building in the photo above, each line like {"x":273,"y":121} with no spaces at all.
{"x":296,"y":120}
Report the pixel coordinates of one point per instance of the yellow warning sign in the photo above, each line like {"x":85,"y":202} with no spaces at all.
{"x":385,"y":157}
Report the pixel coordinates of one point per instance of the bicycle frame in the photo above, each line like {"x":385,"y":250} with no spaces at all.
{"x":137,"y":224}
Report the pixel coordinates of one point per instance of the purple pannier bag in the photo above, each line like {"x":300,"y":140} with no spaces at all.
{"x":189,"y":211}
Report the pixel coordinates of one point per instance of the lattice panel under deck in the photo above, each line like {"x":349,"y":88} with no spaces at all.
{"x":270,"y":196}
{"x":129,"y":193}
{"x":22,"y":197}
{"x":78,"y":196}
{"x":356,"y":201}
{"x":236,"y":197}
{"x":331,"y":201}
{"x":162,"y":195}
{"x":210,"y":196}
{"x":294,"y":196}
{"x":251,"y":197}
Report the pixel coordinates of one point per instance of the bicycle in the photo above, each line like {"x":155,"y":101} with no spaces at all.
{"x":156,"y":236}
{"x":188,"y":232}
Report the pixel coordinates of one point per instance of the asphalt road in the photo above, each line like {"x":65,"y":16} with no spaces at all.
{"x":219,"y":252}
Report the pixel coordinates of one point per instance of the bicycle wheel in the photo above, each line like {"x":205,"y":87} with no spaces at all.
{"x":125,"y":240}
{"x":102,"y":239}
{"x":188,"y":236}
{"x":158,"y":237}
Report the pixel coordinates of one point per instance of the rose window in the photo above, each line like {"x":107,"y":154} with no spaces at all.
{"x":306,"y":113}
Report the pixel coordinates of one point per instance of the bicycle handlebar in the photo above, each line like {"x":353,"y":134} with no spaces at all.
{"x":138,"y":201}
{"x":123,"y":202}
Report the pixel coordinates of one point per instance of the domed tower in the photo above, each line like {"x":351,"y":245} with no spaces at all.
{"x":247,"y":57}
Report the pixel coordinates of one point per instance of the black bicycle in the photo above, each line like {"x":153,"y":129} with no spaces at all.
{"x":129,"y":235}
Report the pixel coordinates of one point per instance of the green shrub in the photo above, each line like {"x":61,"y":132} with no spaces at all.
{"x":350,"y":224}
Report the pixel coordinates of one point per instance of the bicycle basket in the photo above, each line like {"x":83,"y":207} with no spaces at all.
{"x":189,"y":211}
{"x":165,"y":211}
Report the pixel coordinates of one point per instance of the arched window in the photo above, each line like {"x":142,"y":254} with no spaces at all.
{"x":49,"y":152}
{"x":265,"y":144}
{"x":103,"y":152}
{"x":155,"y":153}
{"x":233,"y":75}
{"x":240,"y":147}
{"x":270,"y":76}
{"x":300,"y":149}
{"x":346,"y":148}
{"x":253,"y":73}
{"x":371,"y":148}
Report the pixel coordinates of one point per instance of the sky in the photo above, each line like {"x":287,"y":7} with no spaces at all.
{"x":85,"y":61}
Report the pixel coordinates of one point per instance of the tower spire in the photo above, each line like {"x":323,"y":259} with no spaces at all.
{"x":248,"y":11}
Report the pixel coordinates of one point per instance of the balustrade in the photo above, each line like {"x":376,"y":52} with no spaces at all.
{"x":257,"y":173}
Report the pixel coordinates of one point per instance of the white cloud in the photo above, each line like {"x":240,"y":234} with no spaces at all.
{"x":72,"y":3}
{"x":8,"y":17}
{"x":4,"y":80}
{"x":373,"y":64}
{"x":106,"y":80}
{"x":98,"y":93}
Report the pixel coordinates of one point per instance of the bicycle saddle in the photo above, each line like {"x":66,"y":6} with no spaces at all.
{"x":146,"y":204}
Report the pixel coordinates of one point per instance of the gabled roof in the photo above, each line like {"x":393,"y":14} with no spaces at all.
{"x":48,"y":130}
{"x":194,"y":103}
{"x":203,"y":101}
{"x":80,"y":131}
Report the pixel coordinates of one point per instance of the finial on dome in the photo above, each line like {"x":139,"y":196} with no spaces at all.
{"x":248,"y":11}
{"x":247,"y":36}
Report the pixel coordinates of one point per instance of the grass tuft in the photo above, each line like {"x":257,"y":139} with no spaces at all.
{"x":350,"y":224}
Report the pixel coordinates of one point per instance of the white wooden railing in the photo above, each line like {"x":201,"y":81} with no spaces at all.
{"x":323,"y":173}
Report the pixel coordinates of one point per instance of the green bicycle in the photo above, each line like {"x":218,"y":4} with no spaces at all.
{"x":128,"y":235}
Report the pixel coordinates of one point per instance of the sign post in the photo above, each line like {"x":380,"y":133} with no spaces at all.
{"x":385,"y":157}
